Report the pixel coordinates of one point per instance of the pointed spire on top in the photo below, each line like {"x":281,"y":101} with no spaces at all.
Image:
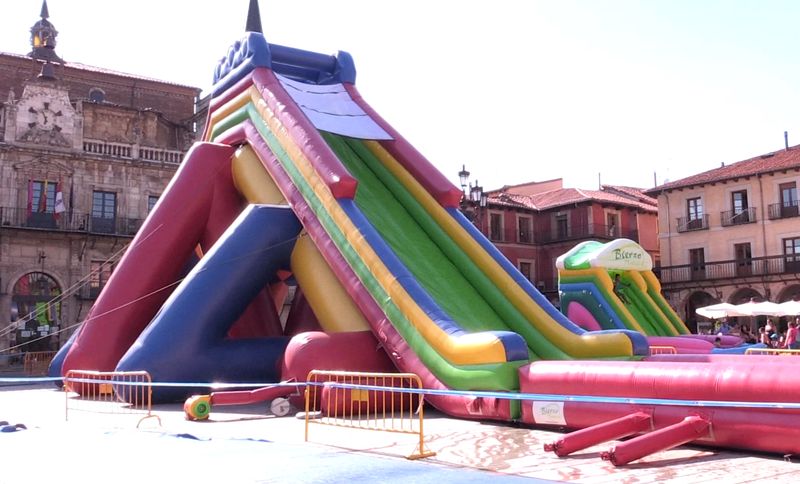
{"x":43,"y":38}
{"x":253,"y":18}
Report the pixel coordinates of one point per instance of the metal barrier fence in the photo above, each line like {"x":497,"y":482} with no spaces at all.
{"x":36,"y":363}
{"x":112,"y":392}
{"x":663,"y":350}
{"x":771,"y":351}
{"x":369,"y":401}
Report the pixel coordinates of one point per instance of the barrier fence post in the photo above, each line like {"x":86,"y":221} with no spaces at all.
{"x":662,"y":350}
{"x":771,"y":351}
{"x":35,"y":363}
{"x":111,"y":392}
{"x":365,"y":401}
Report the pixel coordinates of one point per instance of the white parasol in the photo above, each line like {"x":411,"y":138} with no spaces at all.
{"x":789,"y":308}
{"x":718,"y":311}
{"x":764,"y":308}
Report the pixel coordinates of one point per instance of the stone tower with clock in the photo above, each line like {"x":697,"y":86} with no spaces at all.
{"x":44,"y":114}
{"x":85,"y":153}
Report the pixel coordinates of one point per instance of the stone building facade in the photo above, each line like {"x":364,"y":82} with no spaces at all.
{"x":534,"y":223}
{"x":732,"y":235}
{"x":84,"y":155}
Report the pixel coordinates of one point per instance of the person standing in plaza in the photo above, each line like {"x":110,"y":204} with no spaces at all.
{"x":763,"y":336}
{"x":791,"y":336}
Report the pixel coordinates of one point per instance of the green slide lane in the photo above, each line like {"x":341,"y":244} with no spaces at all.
{"x":424,"y":259}
{"x":493,"y":376}
{"x":638,"y":306}
{"x":435,"y":261}
{"x":669,"y":313}
{"x":651,"y":313}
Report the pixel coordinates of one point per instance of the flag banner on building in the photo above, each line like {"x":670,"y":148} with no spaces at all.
{"x":43,"y":198}
{"x":30,"y":197}
{"x":59,"y":205}
{"x":71,"y":204}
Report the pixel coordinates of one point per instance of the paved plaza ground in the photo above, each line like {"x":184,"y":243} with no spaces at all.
{"x":246,"y":444}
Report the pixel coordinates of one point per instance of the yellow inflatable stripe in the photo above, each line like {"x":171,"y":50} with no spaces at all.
{"x":580,"y":346}
{"x":471,"y":349}
{"x":252,"y":180}
{"x":230,"y":107}
{"x":652,"y":281}
{"x":636,"y":277}
{"x":333,"y":307}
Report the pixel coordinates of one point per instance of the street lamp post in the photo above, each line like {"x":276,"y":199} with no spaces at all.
{"x":474,"y":200}
{"x":463,"y":177}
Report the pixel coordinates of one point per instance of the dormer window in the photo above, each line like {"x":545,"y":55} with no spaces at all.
{"x":97,"y":95}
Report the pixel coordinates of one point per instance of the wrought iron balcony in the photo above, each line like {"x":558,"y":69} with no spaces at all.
{"x":23,"y":218}
{"x":14,"y":217}
{"x":584,"y":231}
{"x":783,"y":210}
{"x":510,"y":235}
{"x":730,"y":269}
{"x":738,"y":217}
{"x":688,"y":224}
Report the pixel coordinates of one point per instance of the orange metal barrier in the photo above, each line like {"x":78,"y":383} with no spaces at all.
{"x":112,"y":392}
{"x":334,"y":398}
{"x":771,"y":351}
{"x":35,"y":363}
{"x":663,"y":350}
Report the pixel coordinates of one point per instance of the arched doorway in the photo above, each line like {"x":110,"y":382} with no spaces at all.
{"x":696,"y":300}
{"x":36,"y":318}
{"x":789,"y":293}
{"x":744,"y":295}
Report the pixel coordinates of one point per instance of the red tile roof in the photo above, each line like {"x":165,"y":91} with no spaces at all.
{"x":632,"y":192}
{"x":499,"y":198}
{"x":102,"y":70}
{"x":788,"y":159}
{"x":532,"y":188}
{"x":568,"y":196}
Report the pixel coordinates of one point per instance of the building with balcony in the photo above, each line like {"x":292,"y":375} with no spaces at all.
{"x":731,"y":234}
{"x":85,"y":153}
{"x":534,"y":223}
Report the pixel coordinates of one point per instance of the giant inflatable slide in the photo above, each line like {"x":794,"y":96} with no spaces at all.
{"x":299,"y":182}
{"x":612,"y":285}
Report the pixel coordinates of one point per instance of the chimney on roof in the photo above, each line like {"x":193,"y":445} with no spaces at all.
{"x":786,"y":139}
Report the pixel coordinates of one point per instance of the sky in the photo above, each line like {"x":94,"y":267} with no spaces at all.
{"x":620,"y":92}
